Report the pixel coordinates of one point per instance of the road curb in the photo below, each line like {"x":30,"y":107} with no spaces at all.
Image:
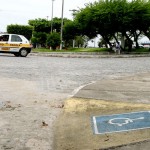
{"x":87,"y":55}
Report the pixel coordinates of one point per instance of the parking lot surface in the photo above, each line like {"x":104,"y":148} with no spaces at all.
{"x":33,"y":90}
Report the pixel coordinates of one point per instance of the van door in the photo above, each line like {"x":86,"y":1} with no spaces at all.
{"x":4,"y":42}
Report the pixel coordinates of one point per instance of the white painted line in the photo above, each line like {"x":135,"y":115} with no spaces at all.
{"x":124,"y":113}
{"x":95,"y":126}
{"x":79,"y":88}
{"x":124,"y":130}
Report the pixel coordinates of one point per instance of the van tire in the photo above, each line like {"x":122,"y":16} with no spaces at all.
{"x":23,"y":52}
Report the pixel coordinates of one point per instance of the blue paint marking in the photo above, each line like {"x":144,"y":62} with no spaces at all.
{"x":121,"y":122}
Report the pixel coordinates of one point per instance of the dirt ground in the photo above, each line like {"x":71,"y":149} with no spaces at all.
{"x":27,"y":115}
{"x":73,"y":129}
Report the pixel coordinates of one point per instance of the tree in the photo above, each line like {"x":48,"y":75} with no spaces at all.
{"x":79,"y":41}
{"x":40,"y":25}
{"x":53,"y":40}
{"x":85,"y":22}
{"x":110,"y":17}
{"x":57,"y":23}
{"x":145,"y":19}
{"x":70,"y":27}
{"x":39,"y":38}
{"x":20,"y":29}
{"x":44,"y":25}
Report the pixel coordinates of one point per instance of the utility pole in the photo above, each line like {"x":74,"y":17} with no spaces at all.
{"x":73,"y":14}
{"x":62,"y":21}
{"x":52,"y":17}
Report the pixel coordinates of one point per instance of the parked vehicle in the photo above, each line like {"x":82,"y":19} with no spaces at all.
{"x":14,"y":44}
{"x":140,"y":46}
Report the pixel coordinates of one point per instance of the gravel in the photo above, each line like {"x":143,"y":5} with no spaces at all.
{"x":54,"y":74}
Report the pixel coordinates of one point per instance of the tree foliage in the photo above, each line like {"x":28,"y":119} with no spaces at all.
{"x":39,"y":38}
{"x":53,"y":40}
{"x":40,"y":25}
{"x":69,"y":31}
{"x":42,"y":28}
{"x":44,"y":25}
{"x":110,"y":17}
{"x":57,"y":23}
{"x":20,"y":29}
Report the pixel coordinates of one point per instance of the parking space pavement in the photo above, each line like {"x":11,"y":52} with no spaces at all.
{"x":74,"y":130}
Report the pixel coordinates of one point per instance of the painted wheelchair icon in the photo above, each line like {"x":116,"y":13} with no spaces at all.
{"x":123,"y":121}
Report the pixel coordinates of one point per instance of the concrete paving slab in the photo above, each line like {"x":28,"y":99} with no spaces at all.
{"x":133,"y":89}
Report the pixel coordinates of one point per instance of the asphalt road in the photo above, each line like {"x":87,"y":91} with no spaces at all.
{"x":33,"y":90}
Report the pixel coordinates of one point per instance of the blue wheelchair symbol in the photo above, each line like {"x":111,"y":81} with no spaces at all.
{"x":126,"y":121}
{"x":121,"y":122}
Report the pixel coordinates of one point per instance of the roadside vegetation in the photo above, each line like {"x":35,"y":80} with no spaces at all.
{"x":72,"y":50}
{"x":121,"y":22}
{"x":95,"y":50}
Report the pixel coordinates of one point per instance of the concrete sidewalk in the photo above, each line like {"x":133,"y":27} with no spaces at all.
{"x":129,"y":89}
{"x":104,"y":97}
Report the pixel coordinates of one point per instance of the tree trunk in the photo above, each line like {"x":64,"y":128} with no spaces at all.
{"x":129,"y":43}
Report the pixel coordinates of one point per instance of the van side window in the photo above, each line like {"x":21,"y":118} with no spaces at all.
{"x":4,"y":38}
{"x":15,"y":38}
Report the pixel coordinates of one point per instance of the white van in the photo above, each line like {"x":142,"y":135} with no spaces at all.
{"x":14,"y":44}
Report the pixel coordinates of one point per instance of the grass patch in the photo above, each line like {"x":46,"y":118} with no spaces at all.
{"x":99,"y":50}
{"x":41,"y":50}
{"x":141,"y":50}
{"x":137,"y":51}
{"x":72,"y":50}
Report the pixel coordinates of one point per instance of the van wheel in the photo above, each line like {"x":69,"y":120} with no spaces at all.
{"x":23,"y":52}
{"x":17,"y":54}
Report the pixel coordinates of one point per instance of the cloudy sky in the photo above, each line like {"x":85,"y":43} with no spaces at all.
{"x":20,"y":11}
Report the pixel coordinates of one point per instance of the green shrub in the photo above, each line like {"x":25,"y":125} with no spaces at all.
{"x":20,"y":29}
{"x":53,"y":40}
